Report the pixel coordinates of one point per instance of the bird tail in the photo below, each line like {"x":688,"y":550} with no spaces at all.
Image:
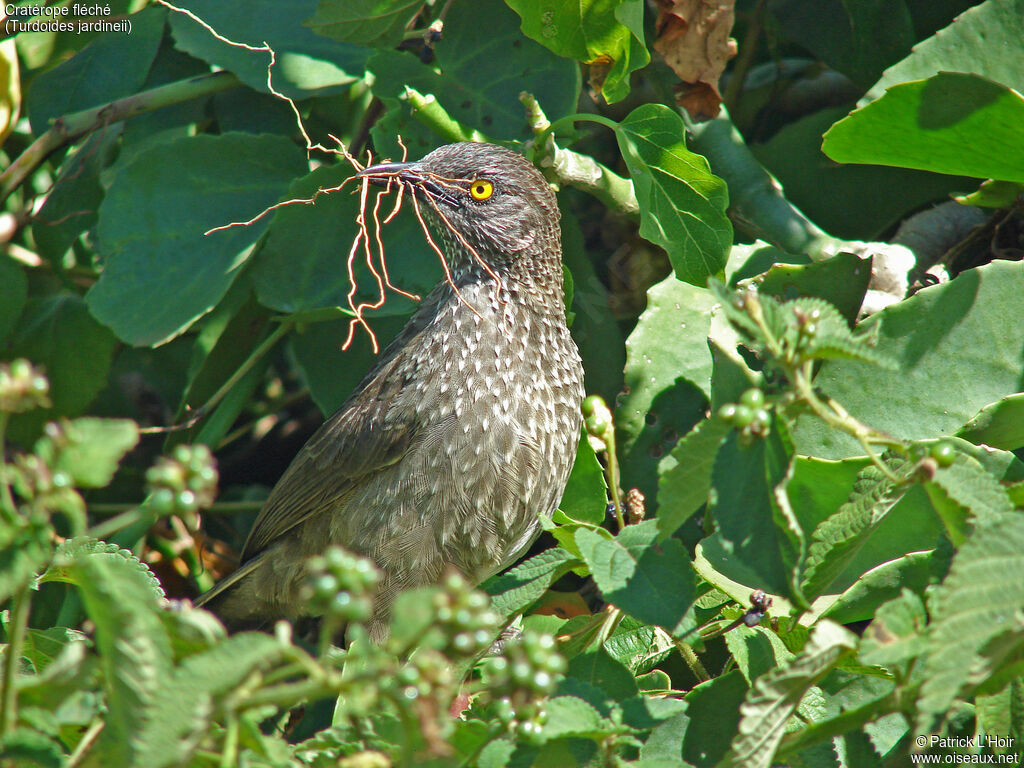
{"x":218,"y":599}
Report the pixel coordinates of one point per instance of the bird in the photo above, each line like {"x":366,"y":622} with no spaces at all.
{"x":462,"y":435}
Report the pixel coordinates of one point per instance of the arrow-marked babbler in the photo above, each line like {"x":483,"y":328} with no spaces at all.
{"x":463,"y":433}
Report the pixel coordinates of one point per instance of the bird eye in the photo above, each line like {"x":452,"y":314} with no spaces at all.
{"x":481,"y":189}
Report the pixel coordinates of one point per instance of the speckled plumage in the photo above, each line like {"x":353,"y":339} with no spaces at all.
{"x":465,"y":430}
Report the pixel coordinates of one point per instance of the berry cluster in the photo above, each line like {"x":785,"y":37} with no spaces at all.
{"x":465,"y":617}
{"x":749,"y":416}
{"x":428,"y":673}
{"x":23,"y":387}
{"x":183,"y":483}
{"x":341,"y":585}
{"x":520,"y":678}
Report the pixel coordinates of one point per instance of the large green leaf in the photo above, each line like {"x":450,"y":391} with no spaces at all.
{"x":980,"y":600}
{"x":685,"y":476}
{"x":950,"y":123}
{"x":586,"y":494}
{"x":984,"y":40}
{"x":71,"y":205}
{"x":650,"y":580}
{"x":999,"y":424}
{"x":57,"y":332}
{"x":476,"y":78}
{"x":523,"y":585}
{"x":160,"y":271}
{"x":667,"y":379}
{"x":879,"y":195}
{"x":302,"y":265}
{"x":858,"y":39}
{"x":109,"y":68}
{"x":135,"y":651}
{"x":682,"y":204}
{"x":605,"y":33}
{"x":775,"y":696}
{"x":13,"y":294}
{"x":756,"y":527}
{"x":91,"y":449}
{"x":956,"y":354}
{"x":306,"y":63}
{"x":364,"y":22}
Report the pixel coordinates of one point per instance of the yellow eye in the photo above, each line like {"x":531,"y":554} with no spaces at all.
{"x":481,"y":189}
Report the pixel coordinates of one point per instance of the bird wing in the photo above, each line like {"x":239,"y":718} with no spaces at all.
{"x":364,"y":436}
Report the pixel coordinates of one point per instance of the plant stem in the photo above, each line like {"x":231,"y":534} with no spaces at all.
{"x":95,"y":728}
{"x":6,"y":496}
{"x":115,"y":524}
{"x":694,"y":663}
{"x":65,"y":129}
{"x":15,"y":640}
{"x":265,"y":346}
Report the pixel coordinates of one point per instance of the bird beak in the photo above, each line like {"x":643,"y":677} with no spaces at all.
{"x":380,"y":174}
{"x":413,"y":177}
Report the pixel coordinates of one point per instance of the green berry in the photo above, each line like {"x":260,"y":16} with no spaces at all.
{"x":727,"y":412}
{"x":753,"y":398}
{"x":742,"y":417}
{"x":943,"y":452}
{"x":591,"y":404}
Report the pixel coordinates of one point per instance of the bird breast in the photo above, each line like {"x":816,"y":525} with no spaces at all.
{"x":495,"y":387}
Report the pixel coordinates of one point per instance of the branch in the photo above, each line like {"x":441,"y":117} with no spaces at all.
{"x":69,"y":127}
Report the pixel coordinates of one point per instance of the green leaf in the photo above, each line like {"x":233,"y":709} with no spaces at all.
{"x":858,"y":39}
{"x":950,"y":123}
{"x":685,"y":476}
{"x":476,"y":78}
{"x":571,"y":716}
{"x":838,"y":539}
{"x":972,"y":488}
{"x":993,"y":194}
{"x":914,"y":571}
{"x":600,"y":679}
{"x":775,"y":696}
{"x":586,"y":494}
{"x":650,"y":580}
{"x":984,"y":40}
{"x":752,"y":528}
{"x":898,"y":632}
{"x":883,"y":194}
{"x":327,"y":230}
{"x":330,"y":372}
{"x":82,"y":548}
{"x":306,"y":63}
{"x":57,"y":332}
{"x":980,"y":601}
{"x":594,"y":32}
{"x":942,"y":381}
{"x":713,"y":713}
{"x":24,"y":550}
{"x":13,"y":294}
{"x":30,"y":748}
{"x":110,"y":67}
{"x":152,"y":223}
{"x":378,"y":23}
{"x":999,"y":424}
{"x":682,"y":204}
{"x":134,"y":649}
{"x":841,"y":280}
{"x":756,"y":650}
{"x":518,"y":588}
{"x":93,"y":450}
{"x":667,"y":380}
{"x":71,"y":205}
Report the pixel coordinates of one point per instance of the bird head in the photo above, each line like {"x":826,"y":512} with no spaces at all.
{"x":483,"y":198}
